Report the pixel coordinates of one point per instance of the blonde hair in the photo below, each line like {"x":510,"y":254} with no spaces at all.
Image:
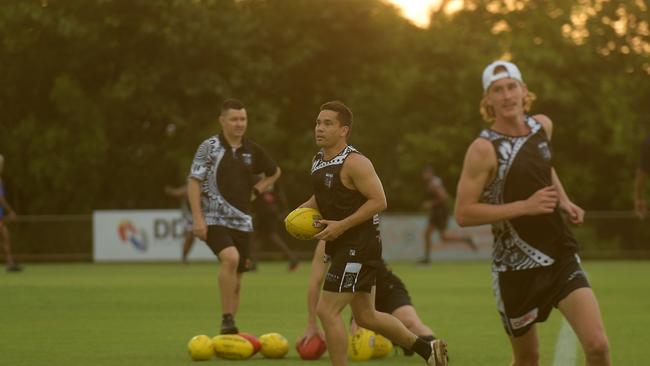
{"x":487,"y":112}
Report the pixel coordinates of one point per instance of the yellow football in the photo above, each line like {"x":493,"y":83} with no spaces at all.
{"x":274,"y":345}
{"x":361,"y":345}
{"x":232,"y":347}
{"x":301,"y":223}
{"x":200,"y":348}
{"x":383,"y":347}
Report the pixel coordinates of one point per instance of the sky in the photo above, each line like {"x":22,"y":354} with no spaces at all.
{"x":418,"y":10}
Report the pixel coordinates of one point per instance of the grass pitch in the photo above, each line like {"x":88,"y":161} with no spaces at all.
{"x":144,"y":314}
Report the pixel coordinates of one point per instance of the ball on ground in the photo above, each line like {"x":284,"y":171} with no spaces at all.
{"x":312,"y":348}
{"x":200,"y":348}
{"x":274,"y":345}
{"x":232,"y":347}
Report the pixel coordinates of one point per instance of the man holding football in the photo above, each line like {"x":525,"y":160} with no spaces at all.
{"x":349,"y":195}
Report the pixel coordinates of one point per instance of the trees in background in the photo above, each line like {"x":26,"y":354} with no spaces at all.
{"x":103,"y":102}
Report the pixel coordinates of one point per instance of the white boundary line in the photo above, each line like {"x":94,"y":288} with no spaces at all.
{"x":565,"y":348}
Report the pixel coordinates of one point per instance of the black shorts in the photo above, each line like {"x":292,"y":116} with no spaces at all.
{"x":354,"y":260}
{"x":527,"y":297}
{"x":391,"y":293}
{"x":221,"y":237}
{"x":438,"y":217}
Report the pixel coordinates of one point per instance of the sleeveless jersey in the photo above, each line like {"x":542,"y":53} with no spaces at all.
{"x":524,"y":167}
{"x":336,"y":201}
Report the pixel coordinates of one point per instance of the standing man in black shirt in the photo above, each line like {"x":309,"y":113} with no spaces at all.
{"x":508,"y":181}
{"x":349,"y":196}
{"x":640,"y":206}
{"x":221,"y":187}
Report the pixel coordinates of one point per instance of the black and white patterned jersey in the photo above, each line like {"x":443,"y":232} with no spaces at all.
{"x":335,"y":201}
{"x":523,"y":168}
{"x":227,"y":176}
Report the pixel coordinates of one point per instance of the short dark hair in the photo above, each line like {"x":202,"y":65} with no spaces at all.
{"x":231,"y":104}
{"x":344,"y":114}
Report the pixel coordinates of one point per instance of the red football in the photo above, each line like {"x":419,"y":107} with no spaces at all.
{"x":312,"y":348}
{"x":251,"y":338}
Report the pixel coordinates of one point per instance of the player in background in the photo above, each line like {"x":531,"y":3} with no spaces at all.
{"x":508,"y":181}
{"x":221,"y":188}
{"x":640,"y":206}
{"x":269,"y":207}
{"x":391,"y":297}
{"x":186,"y":213}
{"x":437,"y":202}
{"x":349,"y":196}
{"x":6,"y":214}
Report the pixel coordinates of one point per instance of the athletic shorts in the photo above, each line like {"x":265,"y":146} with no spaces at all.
{"x":354,"y":260}
{"x":391,"y":293}
{"x":221,"y":237}
{"x":438,"y":217}
{"x":527,"y":297}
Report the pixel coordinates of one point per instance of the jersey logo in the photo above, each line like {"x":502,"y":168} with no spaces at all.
{"x":544,"y":150}
{"x":248,"y":158}
{"x":329,"y":180}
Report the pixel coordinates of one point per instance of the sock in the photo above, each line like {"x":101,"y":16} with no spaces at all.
{"x":227,"y":317}
{"x":422,"y":348}
{"x":428,"y":338}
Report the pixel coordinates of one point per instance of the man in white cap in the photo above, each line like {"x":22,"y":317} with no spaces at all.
{"x":508,"y":181}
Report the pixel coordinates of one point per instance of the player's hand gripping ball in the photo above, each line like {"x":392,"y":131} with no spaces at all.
{"x":312,"y":348}
{"x":361,"y":345}
{"x":200,"y":348}
{"x":274,"y":345}
{"x":232,"y":347}
{"x":301,"y":223}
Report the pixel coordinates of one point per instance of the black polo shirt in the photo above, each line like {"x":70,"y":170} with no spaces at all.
{"x":227,"y":176}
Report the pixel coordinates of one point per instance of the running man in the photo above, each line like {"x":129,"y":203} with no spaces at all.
{"x":437,"y":202}
{"x":267,"y":220}
{"x":508,"y":181}
{"x":186,"y":213}
{"x":349,"y":195}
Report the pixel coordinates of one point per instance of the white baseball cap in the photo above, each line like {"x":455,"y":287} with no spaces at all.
{"x":512,"y":71}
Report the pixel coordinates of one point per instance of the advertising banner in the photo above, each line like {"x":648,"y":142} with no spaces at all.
{"x":142,"y":235}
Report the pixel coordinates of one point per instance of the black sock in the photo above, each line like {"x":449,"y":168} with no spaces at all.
{"x":428,"y":338}
{"x":227,"y":317}
{"x":422,"y":348}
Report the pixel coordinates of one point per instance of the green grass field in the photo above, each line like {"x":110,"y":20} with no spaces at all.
{"x":144,"y":314}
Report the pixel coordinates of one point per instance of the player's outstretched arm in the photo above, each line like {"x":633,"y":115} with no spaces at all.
{"x":358,"y":172}
{"x":176,"y":192}
{"x":479,"y":169}
{"x":316,"y":277}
